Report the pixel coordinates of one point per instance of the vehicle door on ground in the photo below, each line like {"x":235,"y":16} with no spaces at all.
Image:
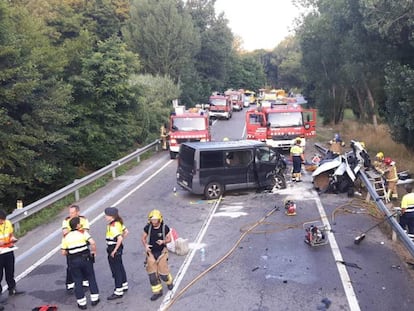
{"x":265,"y":161}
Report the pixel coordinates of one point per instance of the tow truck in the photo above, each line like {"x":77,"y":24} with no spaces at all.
{"x":279,"y":124}
{"x":187,"y":126}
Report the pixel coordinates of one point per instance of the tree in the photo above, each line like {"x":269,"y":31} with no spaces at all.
{"x":213,"y":60}
{"x":106,"y":110}
{"x":34,"y":102}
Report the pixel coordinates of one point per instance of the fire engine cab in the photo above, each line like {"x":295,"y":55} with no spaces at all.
{"x":187,"y":126}
{"x":280,"y":124}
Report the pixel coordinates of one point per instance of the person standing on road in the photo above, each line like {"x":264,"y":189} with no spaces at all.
{"x":407,"y":211}
{"x":155,"y":237}
{"x":75,"y":246}
{"x":297,"y":158}
{"x":115,"y":234}
{"x":74,"y":211}
{"x":7,"y":260}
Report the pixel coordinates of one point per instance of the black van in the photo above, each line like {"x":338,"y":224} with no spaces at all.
{"x":210,"y":168}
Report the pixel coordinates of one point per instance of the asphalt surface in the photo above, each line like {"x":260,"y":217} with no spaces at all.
{"x":267,"y":268}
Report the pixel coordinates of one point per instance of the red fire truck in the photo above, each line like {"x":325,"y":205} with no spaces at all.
{"x":236,"y":98}
{"x":187,"y":126}
{"x":279,"y":125}
{"x":220,"y":106}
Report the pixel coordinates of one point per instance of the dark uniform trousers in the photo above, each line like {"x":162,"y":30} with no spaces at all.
{"x":81,"y":267}
{"x":7,"y":265}
{"x":407,"y":222}
{"x":117,"y":269}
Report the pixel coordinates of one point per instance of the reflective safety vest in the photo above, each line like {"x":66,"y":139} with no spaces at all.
{"x":113,"y":230}
{"x":296,"y":151}
{"x":6,"y":234}
{"x":76,"y":242}
{"x":407,"y":203}
{"x":84,"y":223}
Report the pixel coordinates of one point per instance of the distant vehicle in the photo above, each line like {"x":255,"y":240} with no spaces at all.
{"x":187,"y":125}
{"x":251,"y":96}
{"x":220,"y":106}
{"x":212,"y":168}
{"x":236,"y":98}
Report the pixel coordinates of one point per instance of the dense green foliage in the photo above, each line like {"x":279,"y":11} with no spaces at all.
{"x":84,"y":82}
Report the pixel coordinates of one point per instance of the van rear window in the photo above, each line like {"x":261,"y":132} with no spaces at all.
{"x":211,"y":159}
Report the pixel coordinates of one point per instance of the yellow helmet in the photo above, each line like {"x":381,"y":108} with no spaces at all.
{"x":155,"y":214}
{"x":362,"y":144}
{"x":380,"y":156}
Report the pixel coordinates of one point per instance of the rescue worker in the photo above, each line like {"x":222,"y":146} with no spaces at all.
{"x":407,"y":211}
{"x":163,"y":136}
{"x":155,"y":237}
{"x":80,"y":249}
{"x":115,"y":234}
{"x":297,"y":157}
{"x":391,"y":177}
{"x":379,"y":162}
{"x":336,"y":145}
{"x":74,"y":211}
{"x":7,"y":240}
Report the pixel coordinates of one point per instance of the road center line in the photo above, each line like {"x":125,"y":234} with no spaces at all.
{"x":343,"y":273}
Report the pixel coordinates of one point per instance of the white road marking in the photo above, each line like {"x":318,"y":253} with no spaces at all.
{"x":186,"y":264}
{"x":57,"y":248}
{"x":343,"y":273}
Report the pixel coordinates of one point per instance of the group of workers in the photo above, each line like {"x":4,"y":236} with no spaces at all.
{"x":80,"y":249}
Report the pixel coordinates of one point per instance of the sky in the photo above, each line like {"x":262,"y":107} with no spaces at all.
{"x":262,"y":24}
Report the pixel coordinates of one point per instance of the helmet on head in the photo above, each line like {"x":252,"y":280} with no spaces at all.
{"x":298,"y":140}
{"x":155,"y":214}
{"x":387,"y":161}
{"x":380,"y":156}
{"x":362,"y":144}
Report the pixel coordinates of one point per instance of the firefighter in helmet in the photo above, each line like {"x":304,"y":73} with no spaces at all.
{"x":391,"y":176}
{"x":336,"y":145}
{"x":379,"y":162}
{"x":155,"y":237}
{"x":163,"y":136}
{"x":297,"y":157}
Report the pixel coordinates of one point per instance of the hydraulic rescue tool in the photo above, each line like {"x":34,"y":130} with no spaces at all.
{"x":316,"y":233}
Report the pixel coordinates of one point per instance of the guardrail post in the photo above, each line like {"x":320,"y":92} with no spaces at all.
{"x":77,"y":196}
{"x":138,"y":159}
{"x":114,"y":170}
{"x":157,"y":146}
{"x":16,"y":227}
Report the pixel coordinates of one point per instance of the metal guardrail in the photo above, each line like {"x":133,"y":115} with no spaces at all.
{"x":408,"y":243}
{"x":22,"y":213}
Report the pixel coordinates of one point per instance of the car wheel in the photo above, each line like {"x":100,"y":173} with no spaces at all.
{"x":278,"y":182}
{"x":173,"y":155}
{"x":213,"y":191}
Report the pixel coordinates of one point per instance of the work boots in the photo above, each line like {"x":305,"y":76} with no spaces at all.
{"x":156,"y":296}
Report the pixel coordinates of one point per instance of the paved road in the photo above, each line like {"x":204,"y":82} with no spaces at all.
{"x":270,"y":268}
